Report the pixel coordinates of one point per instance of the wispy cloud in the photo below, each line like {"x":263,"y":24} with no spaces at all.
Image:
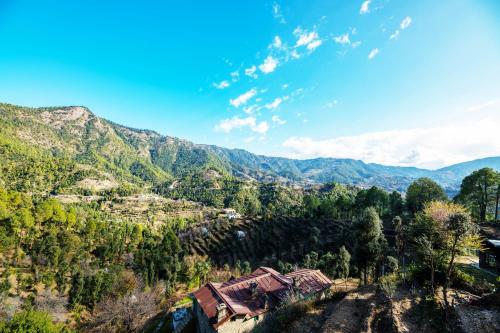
{"x":429,"y":147}
{"x":332,"y":104}
{"x":243,"y":98}
{"x":221,"y":85}
{"x":365,"y":7}
{"x":308,"y":39}
{"x":278,"y":120}
{"x":277,"y":13}
{"x":235,"y":76}
{"x":261,"y":127}
{"x":395,"y":35}
{"x":482,"y":106}
{"x":277,"y":43}
{"x":373,"y":53}
{"x":405,"y":23}
{"x":342,"y":39}
{"x":314,"y":44}
{"x":269,"y":65}
{"x":251,"y":72}
{"x":227,"y":125}
{"x":305,"y":37}
{"x":274,"y":104}
{"x":251,"y":109}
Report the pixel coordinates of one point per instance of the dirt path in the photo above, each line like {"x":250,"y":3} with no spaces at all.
{"x":348,"y":316}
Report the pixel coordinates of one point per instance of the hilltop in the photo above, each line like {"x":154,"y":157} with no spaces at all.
{"x":85,"y":153}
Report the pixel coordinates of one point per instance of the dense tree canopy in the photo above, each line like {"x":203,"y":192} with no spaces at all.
{"x":481,"y":191}
{"x":421,"y":191}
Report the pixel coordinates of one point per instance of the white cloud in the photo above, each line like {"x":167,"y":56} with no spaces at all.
{"x":294,"y":54}
{"x":342,"y":39}
{"x":306,"y":38}
{"x":365,"y":7}
{"x":274,"y":104}
{"x":284,"y":86}
{"x":251,"y":109}
{"x":251,"y":72}
{"x":261,"y":127}
{"x":278,"y":120}
{"x":243,"y":98}
{"x":428,"y":147}
{"x":405,"y":23}
{"x":314,"y":44}
{"x":373,"y":53}
{"x":395,"y":35}
{"x":277,"y":43}
{"x":227,"y":125}
{"x":482,"y":106}
{"x":331,"y":104}
{"x":221,"y":85}
{"x":269,"y":65}
{"x":235,"y":76}
{"x":356,"y":44}
{"x":249,"y":139}
{"x":277,"y":13}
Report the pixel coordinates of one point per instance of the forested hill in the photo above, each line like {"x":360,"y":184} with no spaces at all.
{"x":66,"y":148}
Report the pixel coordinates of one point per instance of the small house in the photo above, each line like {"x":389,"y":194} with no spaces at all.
{"x":239,"y":304}
{"x":489,"y":257}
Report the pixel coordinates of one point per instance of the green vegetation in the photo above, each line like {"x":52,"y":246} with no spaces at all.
{"x":32,"y":322}
{"x":110,"y":266}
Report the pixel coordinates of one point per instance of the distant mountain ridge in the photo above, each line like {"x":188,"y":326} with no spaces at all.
{"x":103,"y":150}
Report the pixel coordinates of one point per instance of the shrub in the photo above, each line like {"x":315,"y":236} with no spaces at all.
{"x":32,"y":322}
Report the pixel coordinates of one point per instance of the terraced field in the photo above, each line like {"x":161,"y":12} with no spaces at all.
{"x":263,"y":241}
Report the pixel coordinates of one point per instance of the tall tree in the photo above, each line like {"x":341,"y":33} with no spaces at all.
{"x":396,"y":204}
{"x":421,"y":191}
{"x":497,"y":201}
{"x":369,"y":241}
{"x":400,"y":242}
{"x":441,"y":231}
{"x":479,"y":191}
{"x":344,"y":258}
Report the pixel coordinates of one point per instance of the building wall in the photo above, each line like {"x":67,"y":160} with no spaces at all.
{"x":203,"y":325}
{"x":230,"y":326}
{"x":239,"y":325}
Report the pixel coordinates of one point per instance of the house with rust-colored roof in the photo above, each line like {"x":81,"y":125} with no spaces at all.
{"x":239,"y":304}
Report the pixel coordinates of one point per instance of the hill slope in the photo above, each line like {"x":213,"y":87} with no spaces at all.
{"x":70,"y":148}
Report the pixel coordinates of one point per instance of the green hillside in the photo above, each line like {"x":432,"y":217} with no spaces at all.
{"x":71,"y":150}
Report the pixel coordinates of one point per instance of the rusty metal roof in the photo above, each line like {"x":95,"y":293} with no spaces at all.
{"x":310,"y":281}
{"x":241,"y":301}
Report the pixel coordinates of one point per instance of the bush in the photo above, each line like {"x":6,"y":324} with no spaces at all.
{"x":388,"y":284}
{"x":32,"y":322}
{"x":281,"y":319}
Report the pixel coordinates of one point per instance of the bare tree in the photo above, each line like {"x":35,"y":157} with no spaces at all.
{"x":128,"y":313}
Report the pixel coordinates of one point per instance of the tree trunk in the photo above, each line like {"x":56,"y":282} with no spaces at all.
{"x":497,"y":201}
{"x":432,"y":277}
{"x":447,"y":280}
{"x":485,"y":200}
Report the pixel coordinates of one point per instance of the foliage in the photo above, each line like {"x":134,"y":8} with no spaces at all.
{"x":32,"y":322}
{"x":370,"y":243}
{"x":420,"y":192}
{"x":82,"y":250}
{"x":480,"y":191}
{"x":442,"y":230}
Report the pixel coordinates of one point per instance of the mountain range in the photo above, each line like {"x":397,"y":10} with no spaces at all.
{"x":68,"y":148}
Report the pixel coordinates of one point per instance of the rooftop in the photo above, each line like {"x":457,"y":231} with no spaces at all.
{"x":494,"y":242}
{"x":258,"y":292}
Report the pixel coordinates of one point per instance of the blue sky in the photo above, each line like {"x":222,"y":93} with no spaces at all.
{"x":394,"y":82}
